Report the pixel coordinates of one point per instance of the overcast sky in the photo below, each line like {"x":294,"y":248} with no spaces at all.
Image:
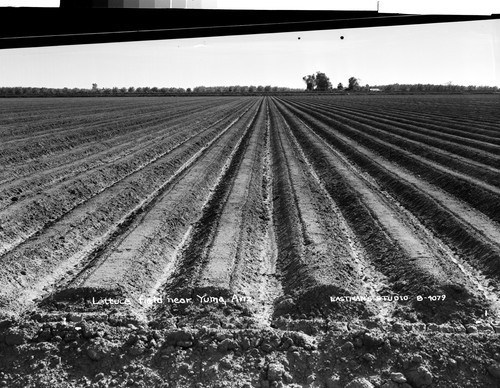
{"x":464,"y":53}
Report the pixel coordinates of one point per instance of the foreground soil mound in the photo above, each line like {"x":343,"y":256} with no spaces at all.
{"x":113,"y":350}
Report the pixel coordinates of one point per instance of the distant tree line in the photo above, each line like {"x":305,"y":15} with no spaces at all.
{"x":431,"y":88}
{"x":19,"y":91}
{"x":56,"y":92}
{"x":242,"y":89}
{"x":319,"y":82}
{"x":314,"y":83}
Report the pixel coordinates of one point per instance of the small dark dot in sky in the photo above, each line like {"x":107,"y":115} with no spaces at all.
{"x":298,"y":38}
{"x":341,"y":37}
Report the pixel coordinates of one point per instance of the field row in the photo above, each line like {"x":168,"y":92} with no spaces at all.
{"x":283,"y":206}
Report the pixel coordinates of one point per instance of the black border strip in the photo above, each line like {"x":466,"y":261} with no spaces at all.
{"x":35,"y":27}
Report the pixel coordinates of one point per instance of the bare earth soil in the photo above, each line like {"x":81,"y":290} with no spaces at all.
{"x":250,"y":241}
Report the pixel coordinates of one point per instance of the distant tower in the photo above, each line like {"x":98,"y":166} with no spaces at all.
{"x":94,"y":86}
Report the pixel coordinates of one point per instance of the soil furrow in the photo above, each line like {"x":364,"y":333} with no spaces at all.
{"x":395,"y":244}
{"x":453,"y":109}
{"x":131,"y":264}
{"x":25,"y":220}
{"x":225,"y":252}
{"x":327,"y":265}
{"x":471,"y":217}
{"x":484,"y":200}
{"x":482,"y":164}
{"x":116,"y":159}
{"x":270,"y":288}
{"x":472,"y":235}
{"x":68,"y":241}
{"x":19,"y":176}
{"x":227,"y":257}
{"x":67,"y":138}
{"x":448,"y":128}
{"x":44,"y":124}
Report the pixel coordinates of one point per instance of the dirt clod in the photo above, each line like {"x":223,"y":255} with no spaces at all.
{"x":417,"y":359}
{"x":74,"y":317}
{"x":398,"y":327}
{"x":398,"y":377}
{"x":359,"y":382}
{"x":275,"y":371}
{"x":419,"y":377}
{"x":347,"y":347}
{"x":333,"y":382}
{"x":494,"y":370}
{"x":471,"y":329}
{"x":14,"y":338}
{"x":180,"y":338}
{"x":227,"y":344}
{"x":93,"y":354}
{"x":368,"y":357}
{"x":372,"y":340}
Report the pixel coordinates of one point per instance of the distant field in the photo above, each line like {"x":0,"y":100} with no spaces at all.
{"x":284,"y":206}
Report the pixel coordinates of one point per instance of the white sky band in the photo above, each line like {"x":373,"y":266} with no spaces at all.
{"x":464,"y":53}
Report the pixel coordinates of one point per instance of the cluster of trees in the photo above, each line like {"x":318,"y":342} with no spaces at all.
{"x":321,"y":82}
{"x":318,"y":81}
{"x":353,"y":84}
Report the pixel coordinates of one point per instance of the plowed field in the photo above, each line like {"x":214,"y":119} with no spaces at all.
{"x":321,"y":241}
